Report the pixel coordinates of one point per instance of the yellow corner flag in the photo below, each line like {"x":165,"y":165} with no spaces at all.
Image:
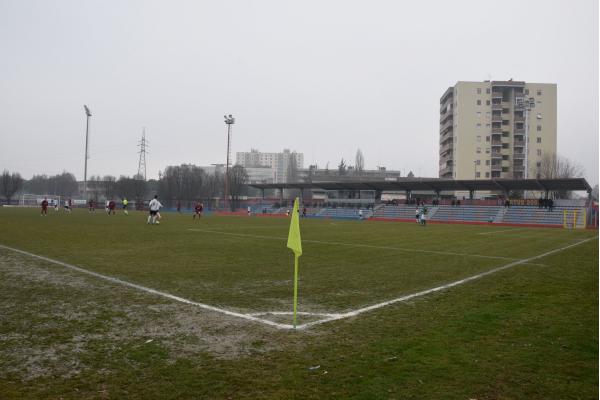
{"x":295,"y":244}
{"x":294,"y":241}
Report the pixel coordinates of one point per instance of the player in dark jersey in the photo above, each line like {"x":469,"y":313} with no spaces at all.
{"x":92,"y":205}
{"x":44,"y":207}
{"x":198,"y":208}
{"x":111,"y":207}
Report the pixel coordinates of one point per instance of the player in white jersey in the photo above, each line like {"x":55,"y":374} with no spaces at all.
{"x":154,"y":206}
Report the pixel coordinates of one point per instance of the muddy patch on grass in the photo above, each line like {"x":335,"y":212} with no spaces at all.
{"x":54,"y":321}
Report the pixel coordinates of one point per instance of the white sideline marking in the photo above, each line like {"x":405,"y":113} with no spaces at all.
{"x":150,"y":290}
{"x":329,"y":317}
{"x":445,"y":253}
{"x":504,"y":230}
{"x":438,"y":288}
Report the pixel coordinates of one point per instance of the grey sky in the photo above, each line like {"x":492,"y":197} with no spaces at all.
{"x":320,"y":77}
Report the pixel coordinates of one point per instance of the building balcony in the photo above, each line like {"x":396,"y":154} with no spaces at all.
{"x":497,"y":106}
{"x":496,"y":129}
{"x":496,"y":142}
{"x":519,"y":156}
{"x":446,"y":116}
{"x":496,"y":95}
{"x":518,"y":168}
{"x":519,"y":131}
{"x":446,"y":147}
{"x":519,"y":118}
{"x":519,"y":143}
{"x":446,"y":170}
{"x":446,"y":125}
{"x":496,"y":167}
{"x":496,"y":118}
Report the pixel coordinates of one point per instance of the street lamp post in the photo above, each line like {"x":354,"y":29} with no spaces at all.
{"x":474,"y":175}
{"x":229,"y":120}
{"x":88,"y":114}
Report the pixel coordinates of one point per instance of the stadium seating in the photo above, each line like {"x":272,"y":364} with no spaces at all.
{"x":350,"y":213}
{"x":535,"y":215}
{"x":401,"y":211}
{"x":466,"y":213}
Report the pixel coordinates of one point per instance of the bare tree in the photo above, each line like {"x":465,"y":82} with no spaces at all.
{"x":342,"y":167}
{"x":237,"y":185}
{"x":595,"y":193}
{"x":10,"y":184}
{"x":554,"y":166}
{"x":359,"y":163}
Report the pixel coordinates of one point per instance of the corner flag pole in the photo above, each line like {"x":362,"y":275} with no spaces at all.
{"x":295,"y":287}
{"x":295,"y":244}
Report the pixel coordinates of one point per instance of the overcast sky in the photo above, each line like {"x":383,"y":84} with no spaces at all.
{"x":320,"y":77}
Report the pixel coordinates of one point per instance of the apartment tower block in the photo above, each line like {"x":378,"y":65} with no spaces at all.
{"x":496,"y":129}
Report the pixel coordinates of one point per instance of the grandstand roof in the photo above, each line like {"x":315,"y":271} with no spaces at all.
{"x":436,"y":184}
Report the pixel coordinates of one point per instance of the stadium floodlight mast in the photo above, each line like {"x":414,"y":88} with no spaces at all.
{"x":229,"y":120}
{"x":88,"y":114}
{"x":474,"y":174}
{"x":526,"y":105}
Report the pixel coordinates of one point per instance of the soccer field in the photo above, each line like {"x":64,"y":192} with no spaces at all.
{"x":221,"y":289}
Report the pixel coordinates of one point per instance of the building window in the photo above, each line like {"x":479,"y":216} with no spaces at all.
{"x":478,"y":138}
{"x":478,"y":102}
{"x":487,"y":150}
{"x":478,"y":125}
{"x":478,"y":162}
{"x":487,"y":90}
{"x":487,"y":125}
{"x":487,"y":174}
{"x":478,"y":174}
{"x":539,"y":92}
{"x":539,"y":140}
{"x":538,"y":164}
{"x":478,"y":150}
{"x":478,"y":90}
{"x":487,"y":102}
{"x":539,"y":128}
{"x":487,"y":138}
{"x":487,"y":162}
{"x":505,"y":157}
{"x":526,"y":92}
{"x":539,"y":152}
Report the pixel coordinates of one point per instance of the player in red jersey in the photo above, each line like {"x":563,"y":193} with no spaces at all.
{"x":44,"y":207}
{"x":198,"y":210}
{"x":111,"y":207}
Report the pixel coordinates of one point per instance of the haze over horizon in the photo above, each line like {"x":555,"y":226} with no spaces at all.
{"x":320,"y":78}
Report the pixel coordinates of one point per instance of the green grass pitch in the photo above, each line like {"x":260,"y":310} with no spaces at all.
{"x":528,"y":331}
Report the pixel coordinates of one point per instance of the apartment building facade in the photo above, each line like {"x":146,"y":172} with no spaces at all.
{"x":496,"y":129}
{"x":279,"y":162}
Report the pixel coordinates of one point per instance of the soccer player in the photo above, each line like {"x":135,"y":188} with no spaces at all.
{"x":304,"y":212}
{"x":125,"y":204}
{"x":249,"y":210}
{"x":360,"y":213}
{"x":417,"y":215}
{"x":111,"y":207}
{"x":44,"y":207}
{"x":68,"y":206}
{"x":198,"y":210}
{"x":92,"y":206}
{"x":154,"y":206}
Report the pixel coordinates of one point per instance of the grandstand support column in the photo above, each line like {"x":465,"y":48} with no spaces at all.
{"x":437,"y":195}
{"x":378,"y":195}
{"x":408,"y":194}
{"x":302,"y":195}
{"x":471,"y":194}
{"x":281,"y":196}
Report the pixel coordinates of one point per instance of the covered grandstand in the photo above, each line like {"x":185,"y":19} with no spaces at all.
{"x":434,"y":190}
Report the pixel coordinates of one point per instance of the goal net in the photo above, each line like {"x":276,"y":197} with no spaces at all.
{"x":574,"y":219}
{"x":35,"y":200}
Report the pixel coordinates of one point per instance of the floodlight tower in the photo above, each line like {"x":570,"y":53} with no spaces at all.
{"x":229,"y":120}
{"x":527,"y":105}
{"x":88,"y":114}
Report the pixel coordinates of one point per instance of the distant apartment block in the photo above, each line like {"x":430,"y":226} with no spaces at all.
{"x":279,"y":162}
{"x":496,"y":129}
